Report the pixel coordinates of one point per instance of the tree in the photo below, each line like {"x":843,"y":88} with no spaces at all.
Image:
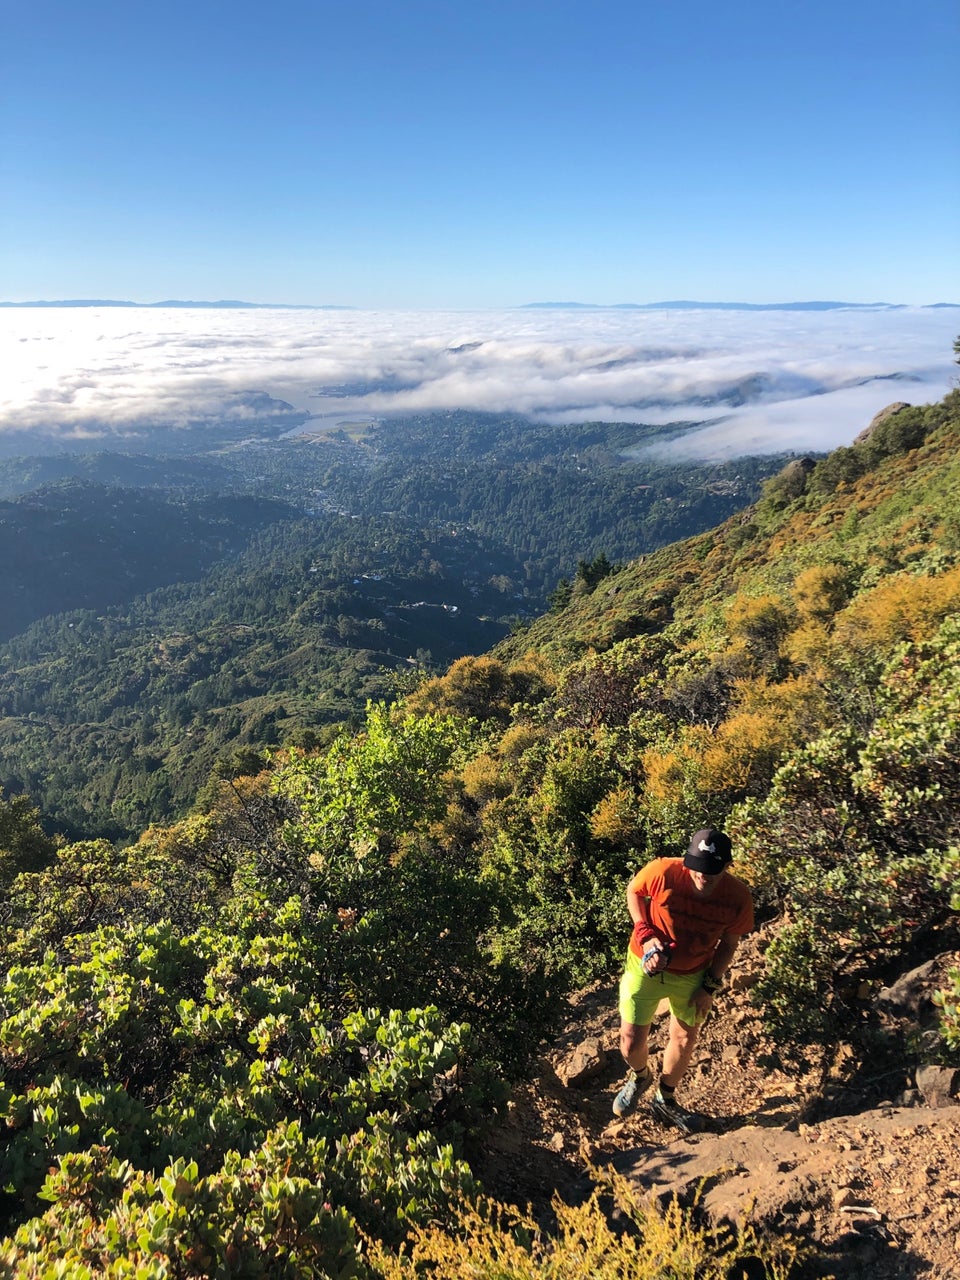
{"x":481,"y":688}
{"x":23,"y":844}
{"x":592,"y":572}
{"x":372,"y":788}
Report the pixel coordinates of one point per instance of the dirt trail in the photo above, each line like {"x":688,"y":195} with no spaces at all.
{"x":852,"y":1157}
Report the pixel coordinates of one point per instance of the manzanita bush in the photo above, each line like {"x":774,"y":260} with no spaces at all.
{"x":197,"y":1099}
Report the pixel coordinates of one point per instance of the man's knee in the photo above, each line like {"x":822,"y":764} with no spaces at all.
{"x":683,"y":1034}
{"x":632,"y":1038}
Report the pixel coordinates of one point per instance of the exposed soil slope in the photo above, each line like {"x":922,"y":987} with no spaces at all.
{"x":851,"y":1157}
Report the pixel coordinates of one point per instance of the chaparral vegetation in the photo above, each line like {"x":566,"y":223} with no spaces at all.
{"x":263,"y":1037}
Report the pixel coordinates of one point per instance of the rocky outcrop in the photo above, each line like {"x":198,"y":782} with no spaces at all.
{"x":857,"y":1187}
{"x":911,"y":995}
{"x":938,"y":1086}
{"x":882,"y":416}
{"x":587,"y":1060}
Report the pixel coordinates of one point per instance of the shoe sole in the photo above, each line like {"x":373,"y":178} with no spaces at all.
{"x":686,"y":1124}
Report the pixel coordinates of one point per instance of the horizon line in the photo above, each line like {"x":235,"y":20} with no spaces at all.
{"x":672,"y":305}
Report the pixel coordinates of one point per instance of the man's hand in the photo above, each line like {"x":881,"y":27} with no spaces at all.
{"x":702,"y":1001}
{"x":656,"y":957}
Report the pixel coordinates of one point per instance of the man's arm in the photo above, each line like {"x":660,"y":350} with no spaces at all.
{"x":635,"y":904}
{"x":723,"y":956}
{"x":702,"y":999}
{"x":654,"y":948}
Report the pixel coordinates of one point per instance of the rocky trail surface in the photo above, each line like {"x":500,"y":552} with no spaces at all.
{"x":859,"y":1157}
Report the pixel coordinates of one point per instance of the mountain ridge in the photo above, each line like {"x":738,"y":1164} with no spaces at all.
{"x":231,"y":304}
{"x":684,"y":305}
{"x":223,"y":305}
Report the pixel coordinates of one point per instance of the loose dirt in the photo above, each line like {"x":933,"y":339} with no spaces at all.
{"x":847,"y":1155}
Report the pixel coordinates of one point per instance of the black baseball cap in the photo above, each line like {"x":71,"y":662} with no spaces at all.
{"x":709,"y":852}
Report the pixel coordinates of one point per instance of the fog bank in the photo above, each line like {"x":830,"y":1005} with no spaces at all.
{"x":763,"y":381}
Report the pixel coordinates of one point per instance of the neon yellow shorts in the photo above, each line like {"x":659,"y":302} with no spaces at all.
{"x":640,"y":994}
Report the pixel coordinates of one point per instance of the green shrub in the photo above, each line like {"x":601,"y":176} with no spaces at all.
{"x":848,"y":845}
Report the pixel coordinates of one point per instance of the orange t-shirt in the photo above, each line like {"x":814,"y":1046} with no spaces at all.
{"x":693,"y":924}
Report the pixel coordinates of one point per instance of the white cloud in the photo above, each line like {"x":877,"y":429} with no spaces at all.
{"x":105,"y":372}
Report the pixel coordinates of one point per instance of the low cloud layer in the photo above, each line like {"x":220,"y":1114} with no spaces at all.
{"x":762,"y":381}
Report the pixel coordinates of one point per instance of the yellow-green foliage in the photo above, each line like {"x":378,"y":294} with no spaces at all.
{"x":741,"y":756}
{"x":758,"y":627}
{"x":668,"y":768}
{"x":672,"y":799}
{"x":616,"y":818}
{"x":948,"y":999}
{"x":569,"y":789}
{"x":518,"y":739}
{"x":847,"y":841}
{"x":483,"y":779}
{"x":810,"y":648}
{"x":481,"y":783}
{"x":820,"y":591}
{"x":483,"y":688}
{"x":496,"y":1242}
{"x":904,"y":607}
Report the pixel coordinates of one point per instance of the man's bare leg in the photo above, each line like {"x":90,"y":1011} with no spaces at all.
{"x":633,"y":1044}
{"x":681,"y":1043}
{"x":679,"y":1051}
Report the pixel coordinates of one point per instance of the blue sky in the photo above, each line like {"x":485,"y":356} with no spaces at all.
{"x":443,"y":155}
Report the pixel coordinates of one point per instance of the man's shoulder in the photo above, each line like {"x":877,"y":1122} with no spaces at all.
{"x":655,"y":873}
{"x":738,"y":899}
{"x":660,"y":868}
{"x":665,"y":865}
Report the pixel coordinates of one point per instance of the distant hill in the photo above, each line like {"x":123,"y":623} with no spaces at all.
{"x":245,"y":415}
{"x":77,"y":544}
{"x":719,"y":306}
{"x":191,"y":474}
{"x":232,"y":304}
{"x":223,"y":305}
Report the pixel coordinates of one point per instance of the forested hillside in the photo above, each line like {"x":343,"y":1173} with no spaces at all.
{"x":266,"y":1039}
{"x":82,"y":545}
{"x":163,"y":614}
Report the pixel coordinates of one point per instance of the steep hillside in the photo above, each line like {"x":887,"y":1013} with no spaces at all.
{"x":886,"y":504}
{"x":258,"y":596}
{"x":82,"y":545}
{"x":794,"y":675}
{"x":281,"y":1033}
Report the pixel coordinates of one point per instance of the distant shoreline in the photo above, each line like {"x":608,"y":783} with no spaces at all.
{"x":232,"y":305}
{"x":226,"y":305}
{"x":730,"y":306}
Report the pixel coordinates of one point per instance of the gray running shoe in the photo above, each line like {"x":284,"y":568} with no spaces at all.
{"x":671,"y":1112}
{"x":628,"y":1097}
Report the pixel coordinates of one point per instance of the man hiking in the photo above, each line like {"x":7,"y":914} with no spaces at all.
{"x":688,"y":916}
